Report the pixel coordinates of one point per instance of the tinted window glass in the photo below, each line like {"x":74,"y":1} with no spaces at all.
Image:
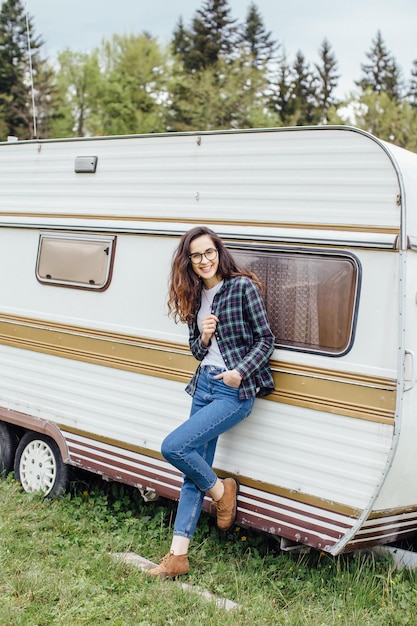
{"x":311,"y":298}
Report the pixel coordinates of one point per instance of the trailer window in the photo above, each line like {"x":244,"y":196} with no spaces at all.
{"x":311,"y":299}
{"x":75,"y":260}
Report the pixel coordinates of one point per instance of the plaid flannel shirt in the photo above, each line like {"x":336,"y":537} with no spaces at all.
{"x":243,"y":334}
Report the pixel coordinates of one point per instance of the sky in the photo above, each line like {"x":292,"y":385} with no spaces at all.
{"x":297,"y":25}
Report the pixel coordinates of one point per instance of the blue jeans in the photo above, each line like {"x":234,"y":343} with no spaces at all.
{"x":216,"y":408}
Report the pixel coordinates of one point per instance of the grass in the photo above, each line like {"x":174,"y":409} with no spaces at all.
{"x":56,"y":569}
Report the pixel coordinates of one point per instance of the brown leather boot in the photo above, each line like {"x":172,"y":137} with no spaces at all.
{"x":171,"y":566}
{"x":227,"y":505}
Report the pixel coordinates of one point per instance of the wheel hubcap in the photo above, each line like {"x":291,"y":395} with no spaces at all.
{"x":37,"y":467}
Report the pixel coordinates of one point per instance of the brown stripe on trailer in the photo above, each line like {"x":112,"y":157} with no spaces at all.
{"x":305,"y":386}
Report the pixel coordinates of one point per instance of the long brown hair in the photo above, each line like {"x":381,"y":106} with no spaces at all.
{"x":185,"y":286}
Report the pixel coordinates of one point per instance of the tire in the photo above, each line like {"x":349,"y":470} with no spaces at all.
{"x":8,"y":444}
{"x":39,"y":466}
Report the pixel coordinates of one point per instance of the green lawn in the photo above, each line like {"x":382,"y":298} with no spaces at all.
{"x":56,"y":568}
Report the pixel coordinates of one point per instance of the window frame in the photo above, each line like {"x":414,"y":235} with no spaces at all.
{"x":82,"y":237}
{"x":236,"y":248}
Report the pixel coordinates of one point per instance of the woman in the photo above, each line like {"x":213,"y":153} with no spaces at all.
{"x":229,"y":333}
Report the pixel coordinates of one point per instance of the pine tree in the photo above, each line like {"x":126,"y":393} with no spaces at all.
{"x":257,"y":39}
{"x":181,"y":42}
{"x":202,"y":55}
{"x":15,"y":93}
{"x":282,"y":101}
{"x":327,"y":80}
{"x":212,"y":36}
{"x":303,"y":92}
{"x":382,"y":73}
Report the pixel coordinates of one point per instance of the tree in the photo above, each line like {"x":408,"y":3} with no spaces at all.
{"x":181,"y":41}
{"x":382,"y":73}
{"x":79,"y":87}
{"x":327,"y":81}
{"x":15,"y":84}
{"x":303,"y":92}
{"x":134,"y":85}
{"x":412,"y":88}
{"x":387,"y":118}
{"x":281,"y":100}
{"x":220,"y":71}
{"x":220,"y":97}
{"x":212,"y":36}
{"x":201,"y":55}
{"x":116,"y":89}
{"x":256,"y":39}
{"x":47,"y":101}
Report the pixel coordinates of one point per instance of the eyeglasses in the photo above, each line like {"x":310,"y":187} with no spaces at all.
{"x":197,"y":257}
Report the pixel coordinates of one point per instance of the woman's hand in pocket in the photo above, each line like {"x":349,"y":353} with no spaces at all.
{"x":231,"y":378}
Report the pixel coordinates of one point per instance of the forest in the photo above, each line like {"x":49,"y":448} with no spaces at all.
{"x":215,"y":73}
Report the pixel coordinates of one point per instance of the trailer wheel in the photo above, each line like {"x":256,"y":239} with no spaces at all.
{"x":8,"y":443}
{"x":39,"y":467}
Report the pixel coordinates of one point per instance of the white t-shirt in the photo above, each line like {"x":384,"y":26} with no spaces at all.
{"x":213,"y":357}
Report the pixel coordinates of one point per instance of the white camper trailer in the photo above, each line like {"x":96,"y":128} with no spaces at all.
{"x":92,"y":370}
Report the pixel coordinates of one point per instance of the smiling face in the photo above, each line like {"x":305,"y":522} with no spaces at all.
{"x":205,"y":269}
